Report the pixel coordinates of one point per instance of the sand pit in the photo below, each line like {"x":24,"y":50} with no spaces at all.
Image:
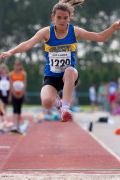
{"x":71,"y":176}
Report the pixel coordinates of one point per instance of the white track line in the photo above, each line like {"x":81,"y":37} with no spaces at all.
{"x":100,"y":142}
{"x":4,"y":147}
{"x":105,"y":147}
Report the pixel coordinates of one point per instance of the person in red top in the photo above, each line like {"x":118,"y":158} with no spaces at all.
{"x":18,"y":79}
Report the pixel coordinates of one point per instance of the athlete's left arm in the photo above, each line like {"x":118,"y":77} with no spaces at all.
{"x":98,"y":37}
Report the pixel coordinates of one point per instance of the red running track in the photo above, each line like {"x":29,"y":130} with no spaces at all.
{"x":56,"y":145}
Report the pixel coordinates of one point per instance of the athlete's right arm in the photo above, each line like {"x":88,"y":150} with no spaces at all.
{"x":42,"y":34}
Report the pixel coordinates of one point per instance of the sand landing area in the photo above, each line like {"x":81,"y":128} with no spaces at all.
{"x":51,"y":176}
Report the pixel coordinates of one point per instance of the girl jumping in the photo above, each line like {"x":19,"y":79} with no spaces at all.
{"x":60,"y":45}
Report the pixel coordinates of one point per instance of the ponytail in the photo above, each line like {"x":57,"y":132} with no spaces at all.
{"x":67,"y":5}
{"x":73,"y":2}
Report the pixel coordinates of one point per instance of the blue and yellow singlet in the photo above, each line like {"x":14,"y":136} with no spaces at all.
{"x":60,"y":52}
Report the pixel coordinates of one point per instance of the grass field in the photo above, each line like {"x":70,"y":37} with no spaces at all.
{"x":83,"y":107}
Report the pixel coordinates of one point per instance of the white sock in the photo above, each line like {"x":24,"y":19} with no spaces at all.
{"x":65,"y":105}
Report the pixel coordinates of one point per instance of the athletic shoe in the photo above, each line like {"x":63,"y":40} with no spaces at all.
{"x":66,"y":115}
{"x":2,"y":131}
{"x":15,"y":131}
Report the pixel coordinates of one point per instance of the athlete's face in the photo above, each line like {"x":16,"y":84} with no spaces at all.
{"x":3,"y":70}
{"x":17,"y":66}
{"x":61,"y":19}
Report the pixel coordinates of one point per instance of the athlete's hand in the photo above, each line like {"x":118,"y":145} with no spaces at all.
{"x":116,"y":25}
{"x":5,"y":55}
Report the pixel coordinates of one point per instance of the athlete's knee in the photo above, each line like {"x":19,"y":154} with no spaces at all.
{"x":47,"y":103}
{"x":69,"y":70}
{"x":69,"y":73}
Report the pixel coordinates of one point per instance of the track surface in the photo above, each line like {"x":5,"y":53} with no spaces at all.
{"x":55,"y":145}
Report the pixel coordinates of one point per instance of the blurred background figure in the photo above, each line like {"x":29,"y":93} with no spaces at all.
{"x":112,"y":95}
{"x":4,"y":85}
{"x":118,"y":93}
{"x":92,"y":97}
{"x":117,"y":107}
{"x":5,"y":126}
{"x":4,"y":97}
{"x":74,"y":100}
{"x":18,"y":80}
{"x":102,"y":97}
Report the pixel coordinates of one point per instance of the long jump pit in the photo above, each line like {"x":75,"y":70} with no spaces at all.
{"x":53,"y":150}
{"x":75,"y":176}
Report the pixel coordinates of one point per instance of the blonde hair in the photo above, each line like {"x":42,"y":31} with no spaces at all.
{"x":4,"y":66}
{"x":67,"y":5}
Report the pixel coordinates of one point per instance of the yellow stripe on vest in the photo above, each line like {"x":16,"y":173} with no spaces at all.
{"x":61,"y":48}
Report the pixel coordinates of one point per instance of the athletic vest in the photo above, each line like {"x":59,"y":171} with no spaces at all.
{"x":17,"y":81}
{"x":112,"y":88}
{"x":4,"y":86}
{"x":60,"y":52}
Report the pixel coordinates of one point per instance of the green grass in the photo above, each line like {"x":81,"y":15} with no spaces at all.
{"x":87,"y":107}
{"x":27,"y":106}
{"x":83,"y":107}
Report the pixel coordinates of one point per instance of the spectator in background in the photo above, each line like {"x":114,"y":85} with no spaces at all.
{"x":4,"y":85}
{"x":4,"y":97}
{"x":74,"y":99}
{"x":112,"y":94}
{"x":103,"y":97}
{"x":119,"y":84}
{"x":18,"y":79}
{"x":118,"y":93}
{"x":92,"y":97}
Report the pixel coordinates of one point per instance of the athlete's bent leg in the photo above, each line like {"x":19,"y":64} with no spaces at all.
{"x":69,"y":78}
{"x":48,"y":96}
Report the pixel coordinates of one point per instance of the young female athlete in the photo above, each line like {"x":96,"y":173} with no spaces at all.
{"x":5,"y":125}
{"x":4,"y":85}
{"x":4,"y":96}
{"x":18,"y":80}
{"x":60,"y":45}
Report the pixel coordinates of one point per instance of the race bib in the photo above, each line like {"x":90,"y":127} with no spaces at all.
{"x":4,"y":85}
{"x":59,"y":61}
{"x":18,"y":85}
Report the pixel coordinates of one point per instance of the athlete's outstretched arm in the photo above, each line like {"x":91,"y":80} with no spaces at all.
{"x":42,"y":34}
{"x":98,"y":37}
